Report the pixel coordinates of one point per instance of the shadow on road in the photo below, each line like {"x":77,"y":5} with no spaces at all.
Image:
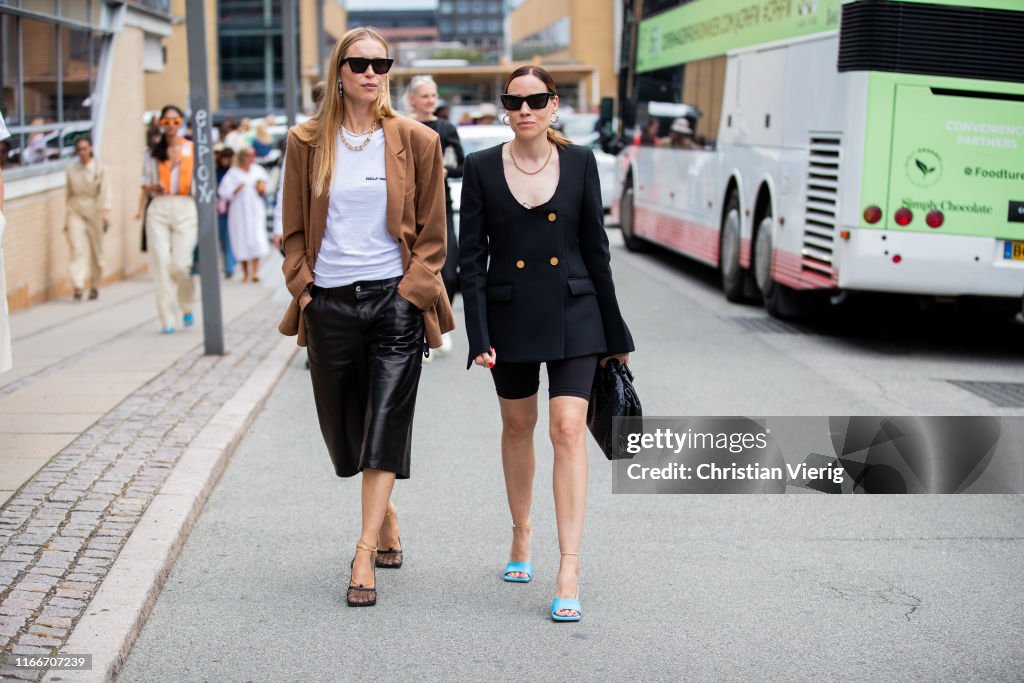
{"x":884,"y":323}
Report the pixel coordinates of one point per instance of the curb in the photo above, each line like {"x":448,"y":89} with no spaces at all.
{"x":126,"y":596}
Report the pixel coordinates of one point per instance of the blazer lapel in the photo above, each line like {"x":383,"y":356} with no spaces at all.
{"x":394,"y":168}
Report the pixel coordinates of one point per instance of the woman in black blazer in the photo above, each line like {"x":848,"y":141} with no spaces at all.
{"x":537,"y":287}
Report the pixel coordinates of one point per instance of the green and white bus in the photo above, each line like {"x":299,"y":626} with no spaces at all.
{"x":829,"y":145}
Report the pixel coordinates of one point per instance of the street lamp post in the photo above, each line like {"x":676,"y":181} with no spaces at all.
{"x":204,"y":179}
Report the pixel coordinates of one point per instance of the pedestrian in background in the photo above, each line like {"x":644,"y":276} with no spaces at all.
{"x":422,"y":100}
{"x":243,"y":187}
{"x":171,"y":219}
{"x":88,"y":195}
{"x":364,"y":242}
{"x":537,"y":288}
{"x":262,"y":142}
{"x":5,"y":326}
{"x":225,"y":156}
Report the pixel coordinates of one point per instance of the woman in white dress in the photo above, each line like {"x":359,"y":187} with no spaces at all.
{"x":244,"y":186}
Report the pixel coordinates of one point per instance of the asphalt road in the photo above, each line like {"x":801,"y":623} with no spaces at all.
{"x":674,"y":587}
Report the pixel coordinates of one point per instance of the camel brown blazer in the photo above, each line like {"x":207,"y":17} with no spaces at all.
{"x":415,"y":218}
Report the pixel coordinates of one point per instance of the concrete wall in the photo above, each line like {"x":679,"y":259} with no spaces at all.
{"x":35,"y":246}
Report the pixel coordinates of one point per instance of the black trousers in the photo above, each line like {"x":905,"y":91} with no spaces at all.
{"x":365,"y":346}
{"x":450,"y":270}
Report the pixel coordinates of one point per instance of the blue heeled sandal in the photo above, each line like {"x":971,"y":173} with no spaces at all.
{"x":567,"y":604}
{"x":519,"y":567}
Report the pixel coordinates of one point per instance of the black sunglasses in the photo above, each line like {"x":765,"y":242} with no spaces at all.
{"x":537,"y":100}
{"x":381,"y":65}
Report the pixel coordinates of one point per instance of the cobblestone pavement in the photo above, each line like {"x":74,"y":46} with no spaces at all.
{"x":60,"y":533}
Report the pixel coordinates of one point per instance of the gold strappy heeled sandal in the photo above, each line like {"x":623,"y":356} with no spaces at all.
{"x":361,"y":596}
{"x":391,"y":559}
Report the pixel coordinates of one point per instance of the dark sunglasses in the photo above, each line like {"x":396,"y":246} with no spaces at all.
{"x":537,"y":100}
{"x":381,"y":65}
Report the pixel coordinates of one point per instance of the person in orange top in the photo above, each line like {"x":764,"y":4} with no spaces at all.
{"x":171,"y":219}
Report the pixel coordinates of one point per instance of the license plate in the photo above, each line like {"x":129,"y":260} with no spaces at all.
{"x":1014,"y":251}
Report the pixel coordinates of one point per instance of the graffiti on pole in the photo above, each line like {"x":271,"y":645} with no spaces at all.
{"x":204,"y":173}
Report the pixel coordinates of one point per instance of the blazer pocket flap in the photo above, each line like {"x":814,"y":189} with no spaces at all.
{"x":499,"y":293}
{"x":581,"y":285}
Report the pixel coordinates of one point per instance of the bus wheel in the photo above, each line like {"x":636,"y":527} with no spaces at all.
{"x":626,"y":216}
{"x":779,"y":300}
{"x":734,"y":278}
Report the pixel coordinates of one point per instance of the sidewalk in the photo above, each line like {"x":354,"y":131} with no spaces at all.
{"x":97,"y":413}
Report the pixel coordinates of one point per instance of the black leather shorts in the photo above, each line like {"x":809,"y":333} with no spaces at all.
{"x":365,"y":346}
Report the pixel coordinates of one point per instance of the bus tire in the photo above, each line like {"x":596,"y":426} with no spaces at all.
{"x":735,"y":279}
{"x":626,"y":217}
{"x":779,"y":300}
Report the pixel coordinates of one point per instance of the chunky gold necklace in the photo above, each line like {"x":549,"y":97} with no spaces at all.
{"x":360,"y":147}
{"x":520,"y":168}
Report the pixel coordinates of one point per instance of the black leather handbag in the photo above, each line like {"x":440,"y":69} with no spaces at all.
{"x":612,"y":396}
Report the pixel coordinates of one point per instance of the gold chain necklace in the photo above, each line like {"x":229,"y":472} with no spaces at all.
{"x":520,"y":168}
{"x":360,"y":147}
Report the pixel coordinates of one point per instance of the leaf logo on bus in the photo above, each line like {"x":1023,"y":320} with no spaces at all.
{"x":924,"y":167}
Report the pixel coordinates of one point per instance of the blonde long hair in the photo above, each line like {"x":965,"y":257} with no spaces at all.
{"x":321,"y":131}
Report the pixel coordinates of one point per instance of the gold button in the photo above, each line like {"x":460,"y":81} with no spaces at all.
{"x":552,"y":217}
{"x":554,"y":260}
{"x":520,"y":264}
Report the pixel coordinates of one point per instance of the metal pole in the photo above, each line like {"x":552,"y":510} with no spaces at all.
{"x":204,"y":178}
{"x":321,"y":44}
{"x":290,"y":66}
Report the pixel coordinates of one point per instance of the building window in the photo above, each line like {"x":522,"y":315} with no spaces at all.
{"x":446,"y":26}
{"x":48,"y":71}
{"x":494,"y":25}
{"x":446,"y":7}
{"x":478,"y":26}
{"x":462,"y":27}
{"x":462,"y":6}
{"x":251,"y":58}
{"x":478,"y":6}
{"x":494,"y":7}
{"x":552,"y":38}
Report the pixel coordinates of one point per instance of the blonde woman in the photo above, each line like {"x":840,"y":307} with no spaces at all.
{"x":364,"y":242}
{"x":537,"y":287}
{"x":422,"y":100}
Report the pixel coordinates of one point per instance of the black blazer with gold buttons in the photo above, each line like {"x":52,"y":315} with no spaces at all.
{"x":537,"y":283}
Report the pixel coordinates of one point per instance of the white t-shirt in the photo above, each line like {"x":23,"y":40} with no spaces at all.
{"x":357,"y":245}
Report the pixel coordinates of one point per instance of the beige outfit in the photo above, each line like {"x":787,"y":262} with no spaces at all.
{"x":5,"y":326}
{"x":88,"y":196}
{"x":172,"y":222}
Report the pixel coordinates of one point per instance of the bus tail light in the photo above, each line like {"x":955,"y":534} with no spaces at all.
{"x":872,"y":214}
{"x":934,"y":219}
{"x":904,"y":216}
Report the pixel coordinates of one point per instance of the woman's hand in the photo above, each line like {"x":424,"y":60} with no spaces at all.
{"x":621,"y":357}
{"x":487,"y":360}
{"x":261,"y":187}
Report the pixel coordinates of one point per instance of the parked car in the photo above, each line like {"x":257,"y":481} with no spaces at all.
{"x":474,"y":139}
